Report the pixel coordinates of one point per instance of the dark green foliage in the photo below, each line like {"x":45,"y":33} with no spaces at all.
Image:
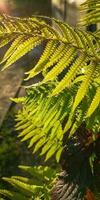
{"x":36,"y":187}
{"x":9,"y":147}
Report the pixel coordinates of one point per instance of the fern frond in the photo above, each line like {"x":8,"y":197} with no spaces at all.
{"x":77,"y":37}
{"x":51,"y":151}
{"x":38,"y":171}
{"x":36,"y":187}
{"x":23,"y":186}
{"x":4,"y":40}
{"x":57,"y":55}
{"x":48,"y":107}
{"x":82,"y":91}
{"x":42,"y":125}
{"x":77,"y":123}
{"x":12,"y":195}
{"x":21,"y":50}
{"x":43,"y":119}
{"x":43,"y":32}
{"x":95,"y":103}
{"x":46,"y":147}
{"x":35,"y":139}
{"x":27,"y":134}
{"x":12,"y":48}
{"x":92,"y":12}
{"x":63,"y":63}
{"x":56,"y":107}
{"x":70,"y":76}
{"x":49,"y":49}
{"x":58,"y":154}
{"x":40,"y":144}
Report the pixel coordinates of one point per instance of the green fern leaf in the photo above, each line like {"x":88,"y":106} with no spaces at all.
{"x":84,"y":86}
{"x":40,"y":143}
{"x":46,"y":147}
{"x":26,"y":130}
{"x":12,"y":195}
{"x":58,"y":154}
{"x":64,"y":61}
{"x":89,"y":41}
{"x":21,"y":50}
{"x":39,"y":172}
{"x":21,"y":178}
{"x":69,"y":123}
{"x":95,"y":103}
{"x":56,"y":56}
{"x":23,"y":124}
{"x":49,"y":49}
{"x":52,"y":118}
{"x":76,"y":124}
{"x":34,"y":139}
{"x":69,"y":77}
{"x":78,"y":79}
{"x":70,"y":34}
{"x":13,"y":47}
{"x":28,"y":135}
{"x":93,"y":16}
{"x":6,"y":193}
{"x":52,"y":123}
{"x":21,"y":185}
{"x":18,"y":100}
{"x":57,"y":129}
{"x":52,"y":151}
{"x":36,"y":187}
{"x":65,"y":30}
{"x":4,"y":40}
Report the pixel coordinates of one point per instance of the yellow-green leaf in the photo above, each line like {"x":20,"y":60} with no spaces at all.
{"x":95,"y":103}
{"x":84,"y":86}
